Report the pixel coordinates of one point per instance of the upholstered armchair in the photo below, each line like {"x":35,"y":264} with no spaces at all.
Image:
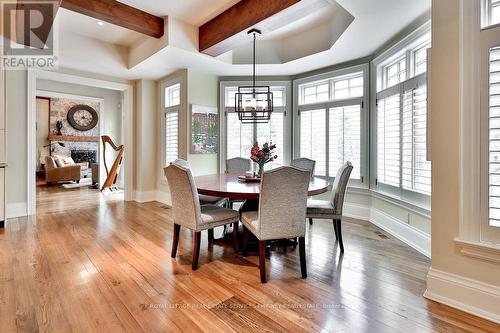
{"x":237,"y":165}
{"x":332,"y":209}
{"x":281,"y":214}
{"x":187,"y":211}
{"x":53,"y":173}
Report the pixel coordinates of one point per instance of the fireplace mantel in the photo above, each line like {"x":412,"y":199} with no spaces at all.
{"x":73,"y":138}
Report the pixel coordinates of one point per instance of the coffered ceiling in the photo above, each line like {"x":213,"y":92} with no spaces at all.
{"x":342,"y":30}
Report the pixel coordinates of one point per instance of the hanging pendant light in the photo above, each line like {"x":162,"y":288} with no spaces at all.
{"x":254,"y":104}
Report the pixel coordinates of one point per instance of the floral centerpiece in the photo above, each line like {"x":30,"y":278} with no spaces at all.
{"x":263,"y":156}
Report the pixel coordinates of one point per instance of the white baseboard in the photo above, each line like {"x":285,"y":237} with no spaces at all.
{"x":415,"y":238}
{"x":468,"y":295}
{"x":145,"y":196}
{"x":16,"y":209}
{"x":148,"y":196}
{"x":356,"y":211}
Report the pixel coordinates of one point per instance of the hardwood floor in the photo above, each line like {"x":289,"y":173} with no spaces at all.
{"x":88,"y":262}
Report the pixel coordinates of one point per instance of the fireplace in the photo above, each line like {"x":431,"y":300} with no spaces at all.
{"x":84,"y":156}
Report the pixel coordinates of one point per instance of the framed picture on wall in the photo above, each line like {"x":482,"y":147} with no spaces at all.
{"x":204,"y":129}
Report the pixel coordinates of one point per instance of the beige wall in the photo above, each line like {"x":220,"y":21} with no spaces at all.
{"x":147,"y":135}
{"x":42,"y":129}
{"x":202,"y":90}
{"x":449,"y":263}
{"x":16,"y":105}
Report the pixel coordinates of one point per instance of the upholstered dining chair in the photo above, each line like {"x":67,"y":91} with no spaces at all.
{"x":206,"y":199}
{"x":237,"y":165}
{"x":332,"y":209}
{"x":305,"y":164}
{"x":281,"y":214}
{"x":187,"y":211}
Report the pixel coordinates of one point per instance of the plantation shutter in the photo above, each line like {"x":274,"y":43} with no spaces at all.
{"x":171,"y":136}
{"x":313,"y":138}
{"x":388,"y":140}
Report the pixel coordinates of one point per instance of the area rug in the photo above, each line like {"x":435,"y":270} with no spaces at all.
{"x":84,"y":182}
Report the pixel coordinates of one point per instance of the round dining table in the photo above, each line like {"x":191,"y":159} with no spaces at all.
{"x":229,"y":186}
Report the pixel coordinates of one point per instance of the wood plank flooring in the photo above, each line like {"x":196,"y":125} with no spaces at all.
{"x":92,"y":263}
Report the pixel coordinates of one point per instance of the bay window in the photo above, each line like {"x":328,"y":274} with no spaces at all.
{"x":332,"y":121}
{"x":238,"y":139}
{"x":402,"y":168}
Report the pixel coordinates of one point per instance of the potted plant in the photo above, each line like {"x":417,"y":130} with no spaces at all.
{"x":263,"y":156}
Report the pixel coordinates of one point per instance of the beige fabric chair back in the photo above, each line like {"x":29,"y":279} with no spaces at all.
{"x":50,"y":163}
{"x":237,"y":165}
{"x":182,"y":163}
{"x":340,"y":186}
{"x":283,"y":203}
{"x":185,"y":201}
{"x":304,"y":164}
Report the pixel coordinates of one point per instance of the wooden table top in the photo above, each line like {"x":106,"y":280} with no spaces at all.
{"x":228,"y":186}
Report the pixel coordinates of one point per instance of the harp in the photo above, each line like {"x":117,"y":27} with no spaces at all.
{"x":112,"y":174}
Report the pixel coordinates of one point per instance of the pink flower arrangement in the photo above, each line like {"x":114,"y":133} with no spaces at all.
{"x":263,"y":156}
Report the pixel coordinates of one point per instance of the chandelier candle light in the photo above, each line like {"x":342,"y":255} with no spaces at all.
{"x":254,"y":104}
{"x":263,"y":156}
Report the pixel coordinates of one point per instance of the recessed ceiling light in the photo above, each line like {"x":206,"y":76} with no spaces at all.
{"x":101,"y":23}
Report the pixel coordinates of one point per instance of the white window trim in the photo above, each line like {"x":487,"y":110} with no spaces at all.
{"x":363,"y":101}
{"x":408,"y":43}
{"x":282,"y":109}
{"x":469,"y":239}
{"x":163,"y":111}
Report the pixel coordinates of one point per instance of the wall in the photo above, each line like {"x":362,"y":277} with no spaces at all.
{"x":461,"y":281}
{"x":202,"y":90}
{"x":146,"y":142}
{"x":16,"y":105}
{"x":42,"y":129}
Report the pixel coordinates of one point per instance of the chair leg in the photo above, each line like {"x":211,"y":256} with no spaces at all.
{"x":339,"y":231}
{"x":177,"y":229}
{"x":245,"y":240}
{"x":210,"y":235}
{"x":310,"y":221}
{"x":262,"y":260}
{"x":335,"y":229}
{"x":302,"y":252}
{"x":235,"y":236}
{"x":196,"y":250}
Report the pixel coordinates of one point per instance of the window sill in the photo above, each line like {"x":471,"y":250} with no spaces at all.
{"x":421,"y":210}
{"x":483,"y":251}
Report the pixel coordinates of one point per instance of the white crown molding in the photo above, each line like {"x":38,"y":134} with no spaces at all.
{"x":471,"y":296}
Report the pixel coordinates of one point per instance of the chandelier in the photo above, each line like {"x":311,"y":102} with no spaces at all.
{"x":254,"y":104}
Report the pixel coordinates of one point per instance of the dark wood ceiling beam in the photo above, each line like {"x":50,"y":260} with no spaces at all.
{"x":226,"y":31}
{"x":118,"y":13}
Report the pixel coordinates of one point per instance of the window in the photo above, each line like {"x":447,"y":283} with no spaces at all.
{"x":332,"y":122}
{"x":171,"y":100}
{"x":491,"y":12}
{"x":313,"y":138}
{"x":239,"y":138}
{"x":173,"y":95}
{"x":388,"y":140}
{"x":171,"y":136}
{"x":395,"y":73}
{"x":345,"y":138}
{"x":490,"y":234}
{"x":338,"y":88}
{"x":401,"y":122}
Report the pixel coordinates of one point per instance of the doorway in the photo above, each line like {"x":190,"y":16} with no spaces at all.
{"x":79,"y":112}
